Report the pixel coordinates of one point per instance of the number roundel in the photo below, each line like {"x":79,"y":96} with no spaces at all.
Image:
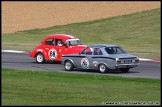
{"x":85,"y":63}
{"x":52,"y":53}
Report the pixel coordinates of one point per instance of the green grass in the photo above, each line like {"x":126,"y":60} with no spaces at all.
{"x":138,"y":33}
{"x":23,"y":87}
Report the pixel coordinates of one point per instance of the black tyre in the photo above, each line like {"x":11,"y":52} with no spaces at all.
{"x":124,"y":70}
{"x":68,"y":65}
{"x":39,"y":58}
{"x":103,"y":68}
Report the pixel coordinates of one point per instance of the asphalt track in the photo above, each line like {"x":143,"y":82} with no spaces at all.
{"x":146,"y":69}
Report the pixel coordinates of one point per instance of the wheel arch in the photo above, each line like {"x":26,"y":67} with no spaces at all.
{"x":41,"y":52}
{"x":69,"y":60}
{"x":104,"y":64}
{"x":38,"y":53}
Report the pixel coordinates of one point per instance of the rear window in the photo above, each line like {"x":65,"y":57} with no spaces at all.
{"x":49,"y":41}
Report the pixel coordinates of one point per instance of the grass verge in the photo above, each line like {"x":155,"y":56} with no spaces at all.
{"x":23,"y":87}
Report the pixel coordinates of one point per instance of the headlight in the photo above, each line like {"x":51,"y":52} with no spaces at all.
{"x":118,"y":61}
{"x":136,"y":60}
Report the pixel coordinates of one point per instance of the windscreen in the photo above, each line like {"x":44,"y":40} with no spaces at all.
{"x":72,"y":42}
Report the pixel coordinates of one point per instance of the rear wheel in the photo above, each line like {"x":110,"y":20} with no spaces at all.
{"x":103,"y":68}
{"x":39,"y":58}
{"x":124,"y":70}
{"x":68,"y":65}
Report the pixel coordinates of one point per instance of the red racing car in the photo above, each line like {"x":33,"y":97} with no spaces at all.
{"x":54,"y":46}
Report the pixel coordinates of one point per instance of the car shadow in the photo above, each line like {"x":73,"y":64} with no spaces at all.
{"x":48,"y":62}
{"x":88,"y":70}
{"x":109,"y":72}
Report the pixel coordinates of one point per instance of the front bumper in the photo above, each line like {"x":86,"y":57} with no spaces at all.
{"x":132,"y":65}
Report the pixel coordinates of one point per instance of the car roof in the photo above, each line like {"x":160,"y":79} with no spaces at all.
{"x":103,"y":45}
{"x":61,"y":36}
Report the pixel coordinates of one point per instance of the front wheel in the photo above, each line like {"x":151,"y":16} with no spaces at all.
{"x":39,"y":58}
{"x":103,"y":68}
{"x":69,"y":66}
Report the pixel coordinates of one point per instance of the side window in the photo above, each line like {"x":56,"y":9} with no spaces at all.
{"x":97,"y":51}
{"x":110,"y":50}
{"x":59,"y":42}
{"x":87,"y":51}
{"x":49,"y":41}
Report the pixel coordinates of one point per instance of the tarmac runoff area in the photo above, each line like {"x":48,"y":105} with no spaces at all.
{"x":25,"y":52}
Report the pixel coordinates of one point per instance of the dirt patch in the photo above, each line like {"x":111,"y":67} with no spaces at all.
{"x":18,"y":15}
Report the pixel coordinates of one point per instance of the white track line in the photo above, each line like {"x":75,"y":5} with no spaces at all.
{"x":13,"y":51}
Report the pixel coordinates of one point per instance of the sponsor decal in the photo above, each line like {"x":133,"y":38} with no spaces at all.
{"x":85,"y":63}
{"x":52,"y":53}
{"x":95,"y":63}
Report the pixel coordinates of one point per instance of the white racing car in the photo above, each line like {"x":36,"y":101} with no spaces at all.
{"x":102,"y":57}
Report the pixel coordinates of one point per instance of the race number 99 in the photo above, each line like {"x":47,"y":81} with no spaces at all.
{"x":85,"y":63}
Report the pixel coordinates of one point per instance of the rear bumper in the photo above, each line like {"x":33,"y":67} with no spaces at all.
{"x":31,"y":54}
